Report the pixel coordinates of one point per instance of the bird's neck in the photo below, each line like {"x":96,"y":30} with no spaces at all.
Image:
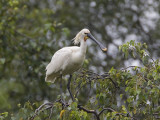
{"x":83,"y":47}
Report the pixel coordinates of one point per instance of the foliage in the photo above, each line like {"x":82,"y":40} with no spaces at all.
{"x":23,"y":41}
{"x":128,"y":93}
{"x":32,"y":30}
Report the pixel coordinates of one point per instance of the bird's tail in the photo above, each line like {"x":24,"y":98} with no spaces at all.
{"x":50,"y":78}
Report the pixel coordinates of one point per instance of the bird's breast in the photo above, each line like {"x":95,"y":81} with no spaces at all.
{"x":76,"y":61}
{"x":78,"y":58}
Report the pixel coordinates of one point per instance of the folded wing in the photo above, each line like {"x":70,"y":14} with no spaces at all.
{"x":57,"y":64}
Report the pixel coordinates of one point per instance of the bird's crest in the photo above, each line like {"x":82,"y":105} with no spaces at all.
{"x":77,"y":39}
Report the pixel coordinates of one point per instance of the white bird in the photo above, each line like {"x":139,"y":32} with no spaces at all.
{"x":69,"y":59}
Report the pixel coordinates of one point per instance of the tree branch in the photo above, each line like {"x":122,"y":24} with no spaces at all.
{"x":104,"y":109}
{"x":89,"y":111}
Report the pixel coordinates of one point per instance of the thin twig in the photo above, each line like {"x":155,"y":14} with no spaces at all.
{"x":37,"y":110}
{"x":130,"y":67}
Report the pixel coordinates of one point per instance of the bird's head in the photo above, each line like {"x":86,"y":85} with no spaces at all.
{"x":82,"y":35}
{"x":85,"y":34}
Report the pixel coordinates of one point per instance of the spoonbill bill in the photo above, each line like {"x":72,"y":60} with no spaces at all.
{"x":69,"y":59}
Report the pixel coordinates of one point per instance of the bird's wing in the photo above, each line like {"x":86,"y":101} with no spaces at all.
{"x":59,"y":61}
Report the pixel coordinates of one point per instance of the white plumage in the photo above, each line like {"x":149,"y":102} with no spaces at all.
{"x":69,"y":59}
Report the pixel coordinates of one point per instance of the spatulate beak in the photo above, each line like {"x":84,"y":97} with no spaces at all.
{"x":104,"y":49}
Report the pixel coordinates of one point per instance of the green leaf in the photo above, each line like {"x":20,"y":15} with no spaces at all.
{"x":132,"y":42}
{"x":149,"y":82}
{"x":74,"y":106}
{"x":5,"y":114}
{"x":127,"y":88}
{"x":123,"y":107}
{"x":48,"y":25}
{"x":126,"y":54}
{"x":138,"y":91}
{"x":120,"y":47}
{"x":145,"y":60}
{"x":121,"y":95}
{"x":145,"y":45}
{"x":132,"y":53}
{"x":66,"y":31}
{"x":2,"y":60}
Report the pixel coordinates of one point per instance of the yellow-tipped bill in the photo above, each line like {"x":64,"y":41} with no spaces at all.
{"x":104,"y":49}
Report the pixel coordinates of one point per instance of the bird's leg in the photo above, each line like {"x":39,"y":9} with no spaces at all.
{"x":68,"y":87}
{"x":61,"y":87}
